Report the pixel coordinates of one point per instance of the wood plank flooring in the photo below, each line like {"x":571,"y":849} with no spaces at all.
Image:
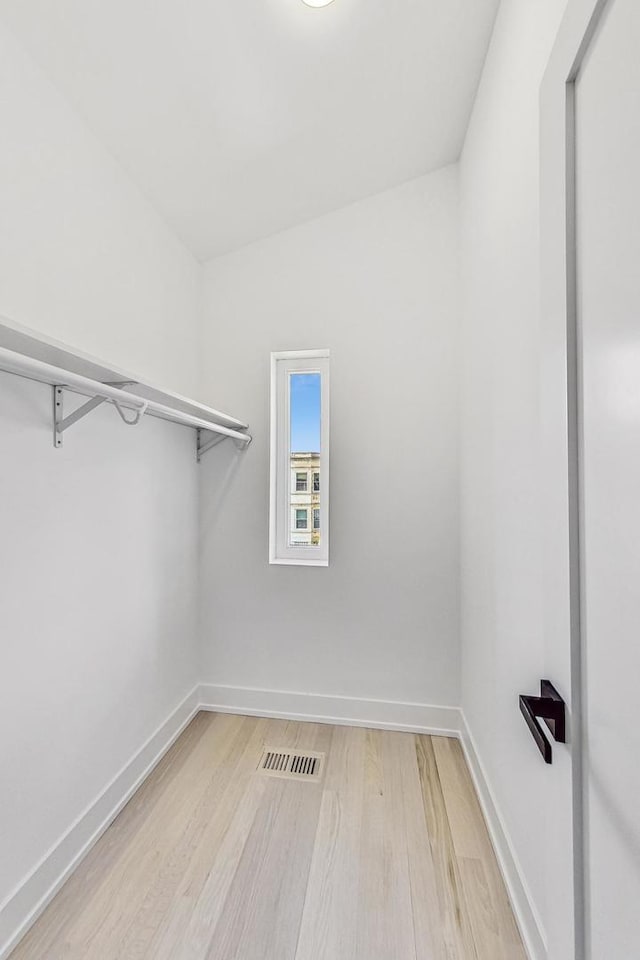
{"x":388,"y":858}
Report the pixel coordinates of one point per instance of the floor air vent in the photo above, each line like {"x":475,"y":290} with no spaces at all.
{"x":292,"y":764}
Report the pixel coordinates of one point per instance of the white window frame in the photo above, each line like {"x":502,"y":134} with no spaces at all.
{"x":283,"y":364}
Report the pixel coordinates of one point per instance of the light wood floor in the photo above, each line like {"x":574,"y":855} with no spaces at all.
{"x":388,"y":858}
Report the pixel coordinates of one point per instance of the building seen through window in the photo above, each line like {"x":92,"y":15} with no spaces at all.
{"x":305,"y":498}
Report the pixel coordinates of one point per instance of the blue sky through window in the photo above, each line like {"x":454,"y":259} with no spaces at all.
{"x":305,"y":412}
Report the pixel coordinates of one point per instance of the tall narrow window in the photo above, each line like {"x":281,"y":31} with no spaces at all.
{"x":299,"y":522}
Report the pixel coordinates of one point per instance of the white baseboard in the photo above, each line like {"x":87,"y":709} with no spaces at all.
{"x":25,"y":904}
{"x":526,"y":915}
{"x":320,"y":708}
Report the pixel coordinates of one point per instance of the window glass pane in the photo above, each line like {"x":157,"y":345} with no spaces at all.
{"x":304,"y":453}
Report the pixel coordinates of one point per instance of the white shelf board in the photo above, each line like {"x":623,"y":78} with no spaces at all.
{"x":38,"y":346}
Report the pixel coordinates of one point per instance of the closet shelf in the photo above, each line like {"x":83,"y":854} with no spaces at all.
{"x":26,"y":354}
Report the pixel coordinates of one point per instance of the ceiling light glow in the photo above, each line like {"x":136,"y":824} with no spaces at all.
{"x":317,"y":3}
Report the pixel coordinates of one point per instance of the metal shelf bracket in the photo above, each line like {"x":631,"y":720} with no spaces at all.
{"x":62,"y":423}
{"x":205,"y":442}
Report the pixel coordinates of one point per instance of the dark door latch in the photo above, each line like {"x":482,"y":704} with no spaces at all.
{"x":551,"y":708}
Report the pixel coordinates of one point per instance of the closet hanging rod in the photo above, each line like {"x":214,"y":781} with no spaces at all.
{"x":176,"y":416}
{"x":32,"y":369}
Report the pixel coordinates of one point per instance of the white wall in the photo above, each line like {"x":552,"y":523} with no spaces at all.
{"x":98,"y":541}
{"x":377,"y":283}
{"x":501,"y":583}
{"x":83,"y":255}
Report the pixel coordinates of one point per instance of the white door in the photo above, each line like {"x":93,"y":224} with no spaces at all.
{"x":607,"y":172}
{"x":590,"y":351}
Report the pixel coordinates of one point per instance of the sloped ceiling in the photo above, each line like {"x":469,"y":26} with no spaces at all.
{"x":239,"y":118}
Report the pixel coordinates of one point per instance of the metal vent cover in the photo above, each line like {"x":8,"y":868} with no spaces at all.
{"x":292,"y":764}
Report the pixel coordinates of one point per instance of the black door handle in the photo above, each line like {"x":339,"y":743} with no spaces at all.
{"x":551,"y":708}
